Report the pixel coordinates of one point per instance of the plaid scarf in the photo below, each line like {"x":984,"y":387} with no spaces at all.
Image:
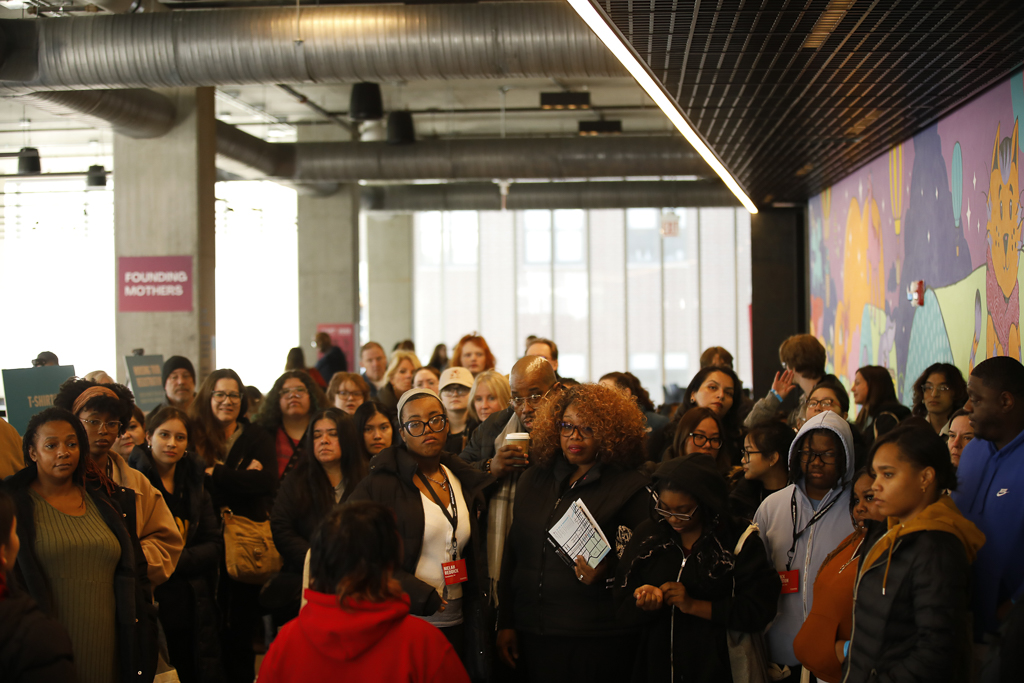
{"x":499,"y":517}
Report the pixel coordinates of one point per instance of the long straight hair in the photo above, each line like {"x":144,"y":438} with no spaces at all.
{"x":211,"y":444}
{"x":308,"y":468}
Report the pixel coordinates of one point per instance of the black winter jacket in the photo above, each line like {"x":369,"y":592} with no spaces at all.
{"x":296,"y":516}
{"x":538,"y":592}
{"x":195,"y":576}
{"x":918,"y":630}
{"x":34,"y":648}
{"x":390,"y":483}
{"x":248,"y":493}
{"x":480,"y":448}
{"x":136,"y":614}
{"x":742,"y":599}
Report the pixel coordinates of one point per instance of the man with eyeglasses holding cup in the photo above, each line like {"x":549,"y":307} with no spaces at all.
{"x":801,"y":524}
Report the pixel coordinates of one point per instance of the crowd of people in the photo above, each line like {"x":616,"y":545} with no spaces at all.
{"x":404,"y":523}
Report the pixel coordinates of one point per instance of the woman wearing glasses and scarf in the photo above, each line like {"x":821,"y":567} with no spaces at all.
{"x":801,"y":524}
{"x":681,"y":580}
{"x":556,"y":615}
{"x":437,"y":500}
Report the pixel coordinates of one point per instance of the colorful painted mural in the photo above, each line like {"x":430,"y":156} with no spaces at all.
{"x":945,"y":208}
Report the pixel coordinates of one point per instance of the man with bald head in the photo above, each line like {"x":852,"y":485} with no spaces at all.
{"x":533,"y":382}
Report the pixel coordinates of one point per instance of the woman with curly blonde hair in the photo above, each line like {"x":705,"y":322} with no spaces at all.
{"x":556,"y":619}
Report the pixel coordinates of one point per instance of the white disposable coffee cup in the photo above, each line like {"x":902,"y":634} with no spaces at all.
{"x":521,"y":439}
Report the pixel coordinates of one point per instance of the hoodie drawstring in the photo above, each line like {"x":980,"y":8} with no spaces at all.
{"x":892,"y":546}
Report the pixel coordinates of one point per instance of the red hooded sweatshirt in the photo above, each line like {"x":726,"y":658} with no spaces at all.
{"x":375,"y":641}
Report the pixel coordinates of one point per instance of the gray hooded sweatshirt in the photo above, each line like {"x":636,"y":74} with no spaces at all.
{"x":775,"y":520}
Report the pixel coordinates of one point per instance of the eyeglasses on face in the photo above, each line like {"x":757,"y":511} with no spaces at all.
{"x":747,"y":452}
{"x":297,"y":392}
{"x":419,"y":427}
{"x":825,"y":403}
{"x":567,"y":428}
{"x":930,"y":388}
{"x":808,"y":456}
{"x":111,"y":425}
{"x":456,"y":389}
{"x":681,"y":516}
{"x":221,"y":396}
{"x":699,"y":440}
{"x":534,"y":400}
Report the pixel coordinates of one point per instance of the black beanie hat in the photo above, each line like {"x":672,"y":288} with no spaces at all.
{"x":698,"y":475}
{"x":177,"y":363}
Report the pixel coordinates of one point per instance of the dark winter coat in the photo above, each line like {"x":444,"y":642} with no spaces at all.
{"x":743,"y":598}
{"x":195,"y":576}
{"x":910,"y":614}
{"x":34,"y":648}
{"x":390,"y":483}
{"x":295,"y":517}
{"x":136,"y":613}
{"x":538,"y":592}
{"x":248,"y":493}
{"x":480,"y":448}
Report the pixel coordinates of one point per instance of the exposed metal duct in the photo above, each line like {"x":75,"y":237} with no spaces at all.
{"x":136,"y":113}
{"x":131,"y":6}
{"x":276,"y":160}
{"x":335,"y":44}
{"x":570,"y":195}
{"x":462,"y":159}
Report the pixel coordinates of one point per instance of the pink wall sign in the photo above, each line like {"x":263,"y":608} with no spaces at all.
{"x":154,"y":283}
{"x":343,"y":335}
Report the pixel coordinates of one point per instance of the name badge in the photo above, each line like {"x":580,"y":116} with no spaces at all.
{"x":790,"y":581}
{"x":455,"y":572}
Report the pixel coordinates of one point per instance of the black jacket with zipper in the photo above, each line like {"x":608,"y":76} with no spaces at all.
{"x":196,"y":574}
{"x":917,"y":631}
{"x":136,"y":615}
{"x":743,"y":599}
{"x":390,"y":483}
{"x":248,"y":493}
{"x":539,"y":593}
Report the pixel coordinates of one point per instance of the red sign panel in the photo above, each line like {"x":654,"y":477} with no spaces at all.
{"x":343,"y":335}
{"x":154,"y":283}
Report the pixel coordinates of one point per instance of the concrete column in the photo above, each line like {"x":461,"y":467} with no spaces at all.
{"x":389,"y":261}
{"x":328,"y":252}
{"x":164,"y":206}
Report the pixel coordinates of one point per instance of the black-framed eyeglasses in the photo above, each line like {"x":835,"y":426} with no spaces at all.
{"x":419,"y":427}
{"x":825,"y":403}
{"x":808,"y":456}
{"x":747,"y":452}
{"x":567,"y":429}
{"x":700,"y":439}
{"x":534,"y":400}
{"x":457,"y":389}
{"x":111,"y":425}
{"x":930,"y":388}
{"x":221,"y":396}
{"x":681,"y":516}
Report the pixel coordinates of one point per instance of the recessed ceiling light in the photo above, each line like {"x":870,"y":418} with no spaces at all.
{"x":604,"y":30}
{"x":600,"y":127}
{"x":826,"y":23}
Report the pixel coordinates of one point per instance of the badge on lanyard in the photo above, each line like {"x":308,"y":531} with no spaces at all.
{"x":790,"y":581}
{"x":454,"y":572}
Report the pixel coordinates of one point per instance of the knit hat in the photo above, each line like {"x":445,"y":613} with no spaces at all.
{"x":177,"y":363}
{"x":451,"y":376}
{"x":414,"y":394}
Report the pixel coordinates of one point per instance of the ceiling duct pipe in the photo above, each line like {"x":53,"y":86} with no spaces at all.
{"x":333,"y":44}
{"x":476,"y":159}
{"x":569,"y":195}
{"x":136,"y":113}
{"x":131,"y":6}
{"x":275,"y":160}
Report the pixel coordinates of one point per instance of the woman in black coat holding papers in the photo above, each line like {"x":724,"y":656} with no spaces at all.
{"x":556,"y":620}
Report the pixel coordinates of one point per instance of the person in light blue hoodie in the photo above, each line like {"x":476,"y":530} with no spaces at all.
{"x":804,"y":522}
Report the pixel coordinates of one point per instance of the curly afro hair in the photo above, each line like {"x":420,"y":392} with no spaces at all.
{"x":615,"y":418}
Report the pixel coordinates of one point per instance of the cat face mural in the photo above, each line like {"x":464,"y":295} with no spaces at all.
{"x":1003,"y":227}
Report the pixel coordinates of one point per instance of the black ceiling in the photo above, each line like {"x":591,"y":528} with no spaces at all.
{"x":788,"y":121}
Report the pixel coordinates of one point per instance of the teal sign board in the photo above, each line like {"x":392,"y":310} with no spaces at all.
{"x":144,"y":373}
{"x":30,"y":390}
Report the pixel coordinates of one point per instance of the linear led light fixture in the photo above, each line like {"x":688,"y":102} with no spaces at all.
{"x":826,"y":23}
{"x":638,"y":70}
{"x":565,"y":100}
